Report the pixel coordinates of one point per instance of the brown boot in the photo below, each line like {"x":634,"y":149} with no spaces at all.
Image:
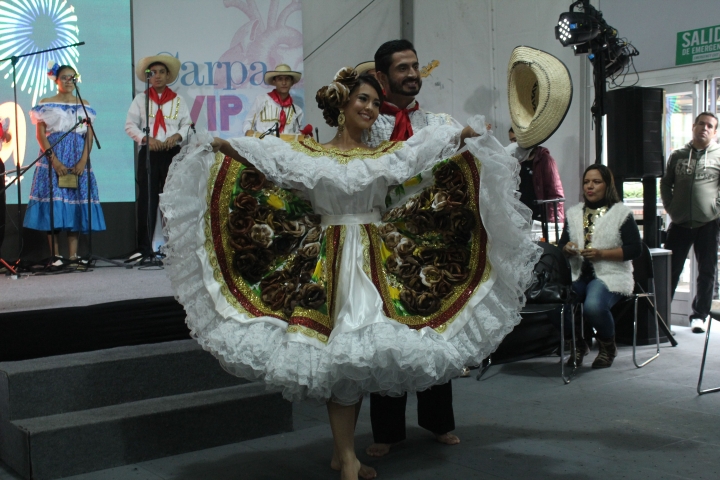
{"x":577,"y":356}
{"x":608,"y":352}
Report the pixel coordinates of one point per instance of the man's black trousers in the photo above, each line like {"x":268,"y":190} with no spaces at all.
{"x":159,"y":166}
{"x":435,"y":413}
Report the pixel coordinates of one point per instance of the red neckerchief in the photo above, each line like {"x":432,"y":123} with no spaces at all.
{"x":166,"y":96}
{"x":403,"y":128}
{"x":283,"y":104}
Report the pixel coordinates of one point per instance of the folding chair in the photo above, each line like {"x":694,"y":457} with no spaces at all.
{"x":714,"y":315}
{"x":642,"y":274}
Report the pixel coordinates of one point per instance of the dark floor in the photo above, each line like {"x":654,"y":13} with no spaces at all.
{"x":519,"y":422}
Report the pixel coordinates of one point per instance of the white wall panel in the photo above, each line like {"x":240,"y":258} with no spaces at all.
{"x":355,"y":43}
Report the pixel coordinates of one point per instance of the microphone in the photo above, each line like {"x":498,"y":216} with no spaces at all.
{"x":192,"y":125}
{"x":149,"y":73}
{"x":74,"y":80}
{"x":274,"y":128}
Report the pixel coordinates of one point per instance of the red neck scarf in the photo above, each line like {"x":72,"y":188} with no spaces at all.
{"x":166,"y":96}
{"x":403,"y":128}
{"x":283,"y":104}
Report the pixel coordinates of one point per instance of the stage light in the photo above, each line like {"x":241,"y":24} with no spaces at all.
{"x":575,"y":28}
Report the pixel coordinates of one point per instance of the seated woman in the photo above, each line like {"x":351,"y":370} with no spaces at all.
{"x":600,"y":239}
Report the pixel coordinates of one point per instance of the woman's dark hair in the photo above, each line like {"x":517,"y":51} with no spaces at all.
{"x":611,"y":194}
{"x":331,"y":97}
{"x":383,"y":55}
{"x":64,"y":67}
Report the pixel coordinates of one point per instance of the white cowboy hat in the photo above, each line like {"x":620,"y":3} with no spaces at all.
{"x":172,"y":64}
{"x":282,"y":69}
{"x":363,"y":67}
{"x":539,"y":95}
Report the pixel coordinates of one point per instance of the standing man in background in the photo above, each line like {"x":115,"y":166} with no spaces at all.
{"x":689,"y":192}
{"x":169,"y":125}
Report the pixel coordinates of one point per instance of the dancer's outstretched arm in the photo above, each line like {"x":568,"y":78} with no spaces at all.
{"x":223,"y":146}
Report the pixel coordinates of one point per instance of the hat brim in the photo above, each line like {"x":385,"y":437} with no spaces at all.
{"x":172,"y":64}
{"x":364,"y":67}
{"x":539,"y":95}
{"x":276,"y":73}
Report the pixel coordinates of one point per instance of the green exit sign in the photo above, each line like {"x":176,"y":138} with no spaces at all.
{"x":699,"y":45}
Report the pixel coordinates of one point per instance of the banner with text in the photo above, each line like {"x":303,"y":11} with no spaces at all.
{"x":225,"y":48}
{"x":699,"y":45}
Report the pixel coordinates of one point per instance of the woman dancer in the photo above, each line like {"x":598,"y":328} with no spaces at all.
{"x":53,"y":117}
{"x":601,"y":239}
{"x":291,"y":274}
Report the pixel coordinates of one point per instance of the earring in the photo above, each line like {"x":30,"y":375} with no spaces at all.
{"x":341,"y":122}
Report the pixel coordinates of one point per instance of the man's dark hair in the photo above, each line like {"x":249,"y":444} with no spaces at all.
{"x":158,"y":63}
{"x":511,"y":130}
{"x":709,"y":114}
{"x":383,"y":55}
{"x":611,"y":193}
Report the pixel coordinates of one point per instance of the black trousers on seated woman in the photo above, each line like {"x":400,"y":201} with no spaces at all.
{"x":159,"y":166}
{"x":435,"y":413}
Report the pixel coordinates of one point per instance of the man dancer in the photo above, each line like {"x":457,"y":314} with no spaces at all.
{"x":169,"y":123}
{"x":398,"y":72}
{"x":690,"y":192}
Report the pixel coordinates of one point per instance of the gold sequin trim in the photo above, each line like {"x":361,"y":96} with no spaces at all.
{"x":310,"y":147}
{"x":174,"y":115}
{"x":308,"y":332}
{"x":590,"y":218}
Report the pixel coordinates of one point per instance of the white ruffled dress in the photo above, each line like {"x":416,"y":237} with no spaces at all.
{"x":358,"y":342}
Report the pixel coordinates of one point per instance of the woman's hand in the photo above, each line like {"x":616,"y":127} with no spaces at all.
{"x":217,"y":144}
{"x":570,"y":249}
{"x":60,"y":169}
{"x":592,"y":254}
{"x":466,"y":133}
{"x":79,"y":167}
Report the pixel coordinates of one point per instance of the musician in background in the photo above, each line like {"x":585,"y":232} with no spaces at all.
{"x":5,"y":136}
{"x":169,"y":125}
{"x":276,"y":107}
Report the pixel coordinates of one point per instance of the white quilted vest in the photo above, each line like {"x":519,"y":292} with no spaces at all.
{"x":617,"y":276}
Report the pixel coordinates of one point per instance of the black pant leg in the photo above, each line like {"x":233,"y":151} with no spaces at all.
{"x":148,"y":202}
{"x":435,"y":409}
{"x":679,"y":240}
{"x":144,"y":242}
{"x":706,"y":245}
{"x":387,"y":416}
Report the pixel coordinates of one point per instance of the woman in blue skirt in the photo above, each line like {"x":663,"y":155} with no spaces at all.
{"x":53,"y":117}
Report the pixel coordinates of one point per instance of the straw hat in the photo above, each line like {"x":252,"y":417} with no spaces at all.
{"x":172,"y":64}
{"x":539,"y":94}
{"x":282,"y":69}
{"x":363,"y":67}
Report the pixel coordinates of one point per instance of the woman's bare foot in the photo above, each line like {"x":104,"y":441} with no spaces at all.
{"x":354,"y":470}
{"x":378,"y":449}
{"x":447,"y":439}
{"x":365,"y":472}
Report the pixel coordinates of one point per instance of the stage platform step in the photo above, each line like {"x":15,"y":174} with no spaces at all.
{"x":70,"y":414}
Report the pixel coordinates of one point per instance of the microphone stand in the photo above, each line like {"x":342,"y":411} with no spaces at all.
{"x":545,"y":231}
{"x":14,"y":60}
{"x":91,"y":258}
{"x":154,"y":263}
{"x":22,"y":170}
{"x":274,"y":129}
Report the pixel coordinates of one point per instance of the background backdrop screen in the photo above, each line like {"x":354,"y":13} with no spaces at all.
{"x":105,"y":66}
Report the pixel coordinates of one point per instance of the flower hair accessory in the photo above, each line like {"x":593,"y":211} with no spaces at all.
{"x":53,"y":68}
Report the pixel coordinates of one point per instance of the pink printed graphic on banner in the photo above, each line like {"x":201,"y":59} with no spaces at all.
{"x":269,"y":41}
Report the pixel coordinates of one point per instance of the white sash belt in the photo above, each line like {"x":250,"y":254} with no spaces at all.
{"x":351,"y":218}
